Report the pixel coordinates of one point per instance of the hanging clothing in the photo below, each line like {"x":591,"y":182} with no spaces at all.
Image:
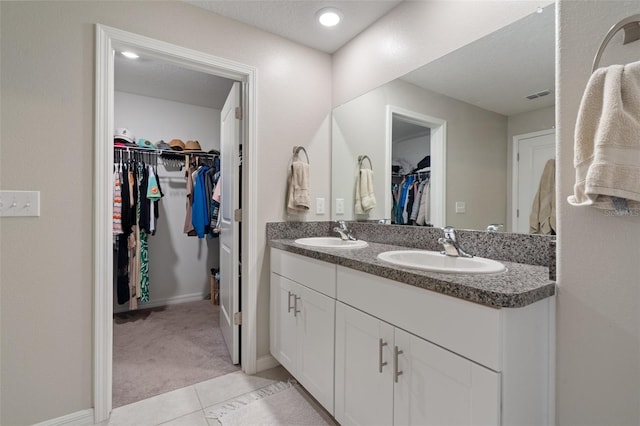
{"x":417,"y":202}
{"x":424,"y":213}
{"x":188,"y":226}
{"x":542,"y":219}
{"x":139,"y":195}
{"x":200,"y":206}
{"x":117,"y":203}
{"x":142,"y":287}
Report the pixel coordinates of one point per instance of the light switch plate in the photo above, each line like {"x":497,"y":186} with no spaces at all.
{"x":339,"y":205}
{"x":19,"y":203}
{"x":461,"y":207}
{"x":319,"y":205}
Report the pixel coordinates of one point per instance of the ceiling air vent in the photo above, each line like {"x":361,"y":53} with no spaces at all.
{"x":538,"y":95}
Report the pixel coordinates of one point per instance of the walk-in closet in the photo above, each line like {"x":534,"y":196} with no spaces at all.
{"x":410,"y":172}
{"x":167,"y":250}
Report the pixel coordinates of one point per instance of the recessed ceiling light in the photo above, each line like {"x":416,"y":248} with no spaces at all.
{"x":130,"y":55}
{"x":539,"y":10}
{"x":329,"y":17}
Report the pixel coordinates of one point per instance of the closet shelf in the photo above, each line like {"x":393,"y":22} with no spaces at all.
{"x":166,"y":152}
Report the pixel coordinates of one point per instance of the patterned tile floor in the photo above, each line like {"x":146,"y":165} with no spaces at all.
{"x":186,"y":406}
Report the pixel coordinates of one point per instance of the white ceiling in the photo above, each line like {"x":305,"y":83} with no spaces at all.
{"x":497,"y":72}
{"x":494,"y":73}
{"x":159,"y":79}
{"x":296,"y":19}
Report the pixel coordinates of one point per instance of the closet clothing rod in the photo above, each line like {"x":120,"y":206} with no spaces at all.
{"x":631,"y":27}
{"x":165,"y":151}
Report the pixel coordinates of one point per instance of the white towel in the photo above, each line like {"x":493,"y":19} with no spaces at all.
{"x":607,"y":139}
{"x":365,"y":197}
{"x":298,"y":188}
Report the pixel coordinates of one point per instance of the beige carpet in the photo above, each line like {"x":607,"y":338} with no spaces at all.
{"x":279,"y":404}
{"x":162,"y":349}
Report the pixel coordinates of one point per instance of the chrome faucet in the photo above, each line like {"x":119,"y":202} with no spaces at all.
{"x":450,"y":243}
{"x":494,"y":227}
{"x":344,"y":231}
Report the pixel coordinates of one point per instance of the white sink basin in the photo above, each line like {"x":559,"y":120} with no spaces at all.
{"x":330,"y":242}
{"x":436,"y":262}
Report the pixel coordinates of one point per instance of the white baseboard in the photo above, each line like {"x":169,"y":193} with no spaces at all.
{"x":266,"y":362}
{"x":192,"y":297}
{"x":79,"y":418}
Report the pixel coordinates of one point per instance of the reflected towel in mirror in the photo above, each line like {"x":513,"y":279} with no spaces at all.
{"x":365,"y":198}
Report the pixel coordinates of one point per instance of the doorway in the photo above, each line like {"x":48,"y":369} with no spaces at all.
{"x":531,"y":152}
{"x":108,"y":40}
{"x":408,"y":134}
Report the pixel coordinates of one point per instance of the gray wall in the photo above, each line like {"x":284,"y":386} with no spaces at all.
{"x":476,"y":151}
{"x":47,"y":107}
{"x":598,"y":325}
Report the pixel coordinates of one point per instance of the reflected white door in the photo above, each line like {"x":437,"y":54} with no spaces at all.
{"x":229,"y":232}
{"x":533,"y":152}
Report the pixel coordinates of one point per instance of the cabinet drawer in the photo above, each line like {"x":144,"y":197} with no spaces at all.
{"x":315,"y":274}
{"x":468,"y":329}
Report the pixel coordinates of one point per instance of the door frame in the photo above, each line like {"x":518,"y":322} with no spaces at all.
{"x":438,"y":154}
{"x":107,"y":40}
{"x":515,"y":169}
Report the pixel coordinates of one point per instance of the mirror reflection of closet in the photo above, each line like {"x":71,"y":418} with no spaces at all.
{"x":411,"y":158}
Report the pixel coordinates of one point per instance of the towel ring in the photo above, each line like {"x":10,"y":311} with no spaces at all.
{"x":361,"y":159}
{"x":631,"y":27}
{"x":296,"y":152}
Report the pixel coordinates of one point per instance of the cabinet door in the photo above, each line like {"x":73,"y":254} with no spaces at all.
{"x":364,"y":388}
{"x":316,"y":344}
{"x":438,"y":387}
{"x":284,"y":346}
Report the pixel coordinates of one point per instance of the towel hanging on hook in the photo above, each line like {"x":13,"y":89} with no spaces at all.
{"x":607,"y":136}
{"x":365,"y":199}
{"x":297,"y":197}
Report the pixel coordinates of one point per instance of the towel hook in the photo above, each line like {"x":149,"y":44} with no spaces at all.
{"x":361,"y":159}
{"x":297,"y":149}
{"x":631,"y":27}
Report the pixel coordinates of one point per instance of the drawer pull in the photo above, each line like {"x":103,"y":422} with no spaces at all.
{"x":396,"y":373}
{"x":295,"y":305}
{"x":380,"y":363}
{"x":289,"y":307}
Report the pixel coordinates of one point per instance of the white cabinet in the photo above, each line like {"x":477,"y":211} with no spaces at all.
{"x":402,"y":355}
{"x":364,"y":380}
{"x":302,"y":330}
{"x":387,"y":376}
{"x":497,"y":360}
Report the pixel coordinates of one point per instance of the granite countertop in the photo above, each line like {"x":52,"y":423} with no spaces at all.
{"x":519,"y":286}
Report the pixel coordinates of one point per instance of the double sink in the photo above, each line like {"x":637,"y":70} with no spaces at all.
{"x":424,"y":260}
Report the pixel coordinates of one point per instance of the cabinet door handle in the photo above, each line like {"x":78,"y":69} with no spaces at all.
{"x":295,"y":305}
{"x":289,"y":307}
{"x":396,"y":373}
{"x":381,"y":364}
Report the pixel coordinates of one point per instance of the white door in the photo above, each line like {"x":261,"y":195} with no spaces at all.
{"x":229,"y":199}
{"x":363,"y":374}
{"x":533,"y":151}
{"x":440,"y":388}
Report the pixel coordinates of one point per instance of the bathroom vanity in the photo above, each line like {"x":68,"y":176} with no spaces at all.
{"x":378,"y":344}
